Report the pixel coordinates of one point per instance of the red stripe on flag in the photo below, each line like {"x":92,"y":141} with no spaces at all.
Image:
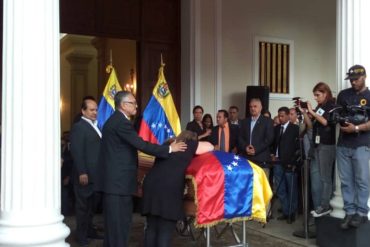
{"x":209,"y":177}
{"x":146,"y":133}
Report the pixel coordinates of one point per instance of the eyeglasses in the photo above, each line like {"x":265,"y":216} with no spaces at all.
{"x":131,"y":102}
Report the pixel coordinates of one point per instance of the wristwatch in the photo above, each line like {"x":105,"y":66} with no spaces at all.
{"x":357,"y":129}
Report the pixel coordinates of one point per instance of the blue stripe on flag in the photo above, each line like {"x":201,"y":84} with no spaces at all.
{"x":105,"y":110}
{"x":157,"y":121}
{"x":238,"y":185}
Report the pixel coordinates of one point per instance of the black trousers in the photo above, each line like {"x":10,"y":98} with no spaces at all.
{"x":117,"y":219}
{"x":158,"y":231}
{"x":84,"y":206}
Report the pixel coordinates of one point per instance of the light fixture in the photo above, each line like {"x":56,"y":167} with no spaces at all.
{"x":131,"y":85}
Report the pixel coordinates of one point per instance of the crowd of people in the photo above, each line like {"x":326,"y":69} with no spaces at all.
{"x":105,"y":162}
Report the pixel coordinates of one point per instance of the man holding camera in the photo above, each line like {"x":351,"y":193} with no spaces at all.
{"x":353,"y":151}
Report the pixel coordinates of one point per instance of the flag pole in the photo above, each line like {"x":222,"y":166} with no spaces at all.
{"x":162,"y":64}
{"x":110,"y":65}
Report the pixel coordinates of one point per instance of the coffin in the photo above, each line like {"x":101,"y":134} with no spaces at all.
{"x":145,"y":163}
{"x":220,"y":187}
{"x":225,"y":187}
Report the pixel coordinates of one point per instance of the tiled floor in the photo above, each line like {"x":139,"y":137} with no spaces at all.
{"x":274,"y":234}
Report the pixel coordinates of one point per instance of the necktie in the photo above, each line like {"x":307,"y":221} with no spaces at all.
{"x":279,"y":139}
{"x":281,"y":133}
{"x":222,"y":140}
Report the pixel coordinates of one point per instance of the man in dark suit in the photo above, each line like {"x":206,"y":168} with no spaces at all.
{"x":119,"y":161}
{"x":234,"y":115}
{"x":85,"y":147}
{"x":256,"y":134}
{"x":224,"y":135}
{"x":285,"y":148}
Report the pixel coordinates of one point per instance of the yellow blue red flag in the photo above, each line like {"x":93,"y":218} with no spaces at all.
{"x":160,"y":119}
{"x":106,"y":104}
{"x":228,"y":188}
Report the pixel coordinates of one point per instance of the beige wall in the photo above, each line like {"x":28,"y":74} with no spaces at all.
{"x":78,"y":52}
{"x":86,"y":78}
{"x":207,"y":63}
{"x":310,"y":24}
{"x":124,"y":58}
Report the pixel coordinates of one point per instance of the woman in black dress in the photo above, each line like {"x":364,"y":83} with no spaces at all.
{"x":163,"y":191}
{"x":207,"y":122}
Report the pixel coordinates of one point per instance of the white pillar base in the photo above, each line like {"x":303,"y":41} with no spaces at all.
{"x":337,"y":204}
{"x":52,"y":234}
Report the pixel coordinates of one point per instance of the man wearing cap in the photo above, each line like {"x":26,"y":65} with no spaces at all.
{"x":353,"y":151}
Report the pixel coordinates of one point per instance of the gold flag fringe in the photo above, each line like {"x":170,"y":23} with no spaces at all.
{"x":213,"y":223}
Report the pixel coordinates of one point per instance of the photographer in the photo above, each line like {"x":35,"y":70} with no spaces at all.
{"x":323,"y":137}
{"x":353,"y":151}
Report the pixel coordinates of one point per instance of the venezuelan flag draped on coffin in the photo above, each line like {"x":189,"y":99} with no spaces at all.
{"x":228,"y":188}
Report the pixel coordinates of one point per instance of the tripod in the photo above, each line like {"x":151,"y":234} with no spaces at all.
{"x":305,"y":233}
{"x":275,"y":194}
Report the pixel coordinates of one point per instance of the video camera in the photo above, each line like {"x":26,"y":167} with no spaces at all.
{"x":298,"y":102}
{"x":354,"y":114}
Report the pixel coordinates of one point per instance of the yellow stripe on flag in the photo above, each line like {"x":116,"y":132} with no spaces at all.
{"x":112,"y":86}
{"x":163,"y":95}
{"x":262,"y":193}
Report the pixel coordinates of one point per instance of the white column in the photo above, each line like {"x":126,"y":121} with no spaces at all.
{"x":218,"y":55}
{"x":353,"y":37}
{"x":30,"y":170}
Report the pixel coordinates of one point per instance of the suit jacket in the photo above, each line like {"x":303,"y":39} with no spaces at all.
{"x":194,"y":126}
{"x":233,"y":135}
{"x":289,"y":144}
{"x":237,"y":124}
{"x":85,"y":148}
{"x":262,"y":138}
{"x":119,"y":157}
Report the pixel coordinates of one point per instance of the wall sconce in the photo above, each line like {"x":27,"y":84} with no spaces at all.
{"x":61,"y":104}
{"x":131,"y":85}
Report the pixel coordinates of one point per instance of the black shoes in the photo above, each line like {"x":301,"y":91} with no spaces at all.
{"x":82,"y":243}
{"x":282,"y":217}
{"x":353,"y":221}
{"x":345,"y":223}
{"x":321,"y":211}
{"x":95,"y":236}
{"x":289,"y":219}
{"x":357,"y":220}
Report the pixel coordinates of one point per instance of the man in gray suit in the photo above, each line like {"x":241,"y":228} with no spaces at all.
{"x":85,"y":148}
{"x":119,"y":161}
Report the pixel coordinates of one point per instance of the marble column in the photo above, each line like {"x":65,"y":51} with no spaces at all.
{"x":353,"y":36}
{"x":30,"y":156}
